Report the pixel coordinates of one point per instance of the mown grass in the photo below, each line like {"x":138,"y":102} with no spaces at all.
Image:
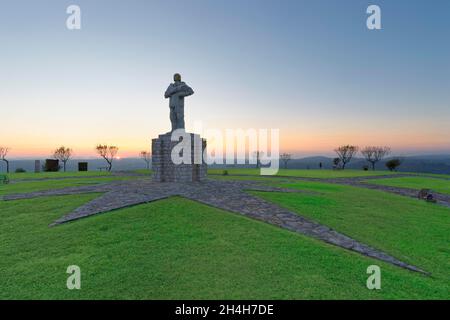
{"x":31,"y":186}
{"x":180,"y":249}
{"x":50,"y":175}
{"x":413,"y":231}
{"x":433,"y":175}
{"x":321,"y":174}
{"x":143,"y":171}
{"x":262,"y":179}
{"x":438,"y":185}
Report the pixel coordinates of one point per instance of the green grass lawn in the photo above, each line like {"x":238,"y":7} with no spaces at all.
{"x":31,"y":186}
{"x":50,"y":175}
{"x":263,"y":179}
{"x":143,"y":171}
{"x":438,"y":185}
{"x":306,"y":173}
{"x":179,"y":249}
{"x":412,"y":230}
{"x":435,"y":175}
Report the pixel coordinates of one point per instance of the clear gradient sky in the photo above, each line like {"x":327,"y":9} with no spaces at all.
{"x":310,"y":68}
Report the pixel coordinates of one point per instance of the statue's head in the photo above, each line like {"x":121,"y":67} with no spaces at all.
{"x":176,"y":77}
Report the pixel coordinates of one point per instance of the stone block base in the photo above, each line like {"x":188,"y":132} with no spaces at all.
{"x":165,"y":170}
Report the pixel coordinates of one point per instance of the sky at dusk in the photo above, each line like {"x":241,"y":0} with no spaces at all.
{"x":311,"y":69}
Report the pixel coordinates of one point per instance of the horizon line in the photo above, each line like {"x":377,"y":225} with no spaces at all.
{"x":293,"y":158}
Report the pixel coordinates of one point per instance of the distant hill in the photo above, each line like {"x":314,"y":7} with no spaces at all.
{"x":425,"y":164}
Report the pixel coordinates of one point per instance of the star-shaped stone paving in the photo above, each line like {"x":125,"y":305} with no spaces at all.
{"x":227,"y":195}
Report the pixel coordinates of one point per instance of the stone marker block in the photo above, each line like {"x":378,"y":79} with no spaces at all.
{"x":37,"y":166}
{"x":51,"y":165}
{"x":82,"y":166}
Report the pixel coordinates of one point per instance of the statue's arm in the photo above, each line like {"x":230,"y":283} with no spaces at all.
{"x":186,"y":91}
{"x":183,"y":90}
{"x":189,"y":91}
{"x":170,"y":91}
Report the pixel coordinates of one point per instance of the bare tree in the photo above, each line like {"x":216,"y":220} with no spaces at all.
{"x":147,"y":157}
{"x":346,"y":153}
{"x":3,"y":153}
{"x":336,"y":163}
{"x":63,"y":154}
{"x":375,"y":154}
{"x":258,"y":155}
{"x":108,"y":153}
{"x":285,"y":157}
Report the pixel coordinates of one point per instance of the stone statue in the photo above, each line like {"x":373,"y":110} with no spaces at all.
{"x":175,"y":160}
{"x":176,"y":92}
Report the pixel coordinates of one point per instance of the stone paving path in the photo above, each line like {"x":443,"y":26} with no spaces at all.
{"x":364,"y":182}
{"x":226,"y":195}
{"x":441,"y":199}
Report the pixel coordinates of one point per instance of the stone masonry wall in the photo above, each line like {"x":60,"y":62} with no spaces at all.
{"x":164,"y":170}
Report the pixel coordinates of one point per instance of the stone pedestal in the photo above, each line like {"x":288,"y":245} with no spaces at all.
{"x":165,"y":170}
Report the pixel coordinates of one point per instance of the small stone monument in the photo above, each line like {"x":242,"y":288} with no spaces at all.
{"x":163,"y":166}
{"x":37,"y":166}
{"x":82,"y":166}
{"x":51,"y":165}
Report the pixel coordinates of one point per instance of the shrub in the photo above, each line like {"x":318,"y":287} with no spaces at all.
{"x":20,"y":170}
{"x":393,"y":164}
{"x":225,"y":172}
{"x":366,"y":168}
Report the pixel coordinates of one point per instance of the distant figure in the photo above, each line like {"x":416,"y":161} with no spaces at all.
{"x":320,"y":165}
{"x":176,"y":92}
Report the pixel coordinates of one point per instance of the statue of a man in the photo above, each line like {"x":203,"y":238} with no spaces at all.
{"x":176,"y":92}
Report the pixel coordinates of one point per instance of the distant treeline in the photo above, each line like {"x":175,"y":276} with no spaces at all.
{"x":426,"y":164}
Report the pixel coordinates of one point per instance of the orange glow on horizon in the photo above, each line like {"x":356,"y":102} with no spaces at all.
{"x":291,"y":142}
